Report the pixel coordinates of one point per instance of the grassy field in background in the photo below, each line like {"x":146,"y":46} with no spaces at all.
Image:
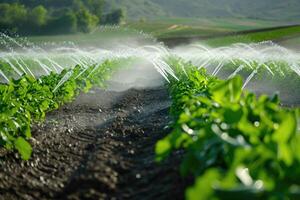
{"x":181,"y":27}
{"x":103,"y":36}
{"x":187,"y":27}
{"x":273,"y":35}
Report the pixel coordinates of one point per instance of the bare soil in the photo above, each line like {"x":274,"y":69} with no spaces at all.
{"x":99,"y":147}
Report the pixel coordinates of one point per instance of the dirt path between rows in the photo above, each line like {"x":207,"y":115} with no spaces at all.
{"x":99,"y":147}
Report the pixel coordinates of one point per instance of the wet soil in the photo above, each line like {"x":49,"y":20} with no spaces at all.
{"x":99,"y":147}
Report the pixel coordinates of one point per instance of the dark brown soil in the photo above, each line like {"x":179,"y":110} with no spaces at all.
{"x":99,"y":147}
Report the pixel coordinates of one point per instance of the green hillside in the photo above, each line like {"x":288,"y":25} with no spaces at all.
{"x":287,"y":10}
{"x":281,"y":10}
{"x":136,"y":9}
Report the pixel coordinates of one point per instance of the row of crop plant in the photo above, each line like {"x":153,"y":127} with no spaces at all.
{"x":236,"y":145}
{"x":27,"y":100}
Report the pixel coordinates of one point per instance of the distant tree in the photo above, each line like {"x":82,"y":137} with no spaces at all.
{"x":77,"y":5}
{"x":70,"y":19}
{"x":66,"y":23}
{"x":55,"y":16}
{"x":115,"y":17}
{"x":95,"y":7}
{"x":5,"y":16}
{"x":12,"y":16}
{"x":38,"y":16}
{"x":86,"y":21}
{"x":18,"y":13}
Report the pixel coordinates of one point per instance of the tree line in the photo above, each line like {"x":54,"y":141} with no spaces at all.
{"x":55,"y":16}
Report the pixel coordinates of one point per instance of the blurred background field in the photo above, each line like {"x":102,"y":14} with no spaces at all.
{"x":211,"y":22}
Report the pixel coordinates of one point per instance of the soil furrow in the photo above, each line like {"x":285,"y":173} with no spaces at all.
{"x":97,"y":148}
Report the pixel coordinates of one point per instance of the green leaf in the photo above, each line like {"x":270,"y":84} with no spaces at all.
{"x":286,"y":128}
{"x":228,"y":91}
{"x":275,"y":98}
{"x":235,"y":88}
{"x":285,"y":153}
{"x":233,"y":115}
{"x":203,"y":188}
{"x":23,"y":147}
{"x":162,"y":149}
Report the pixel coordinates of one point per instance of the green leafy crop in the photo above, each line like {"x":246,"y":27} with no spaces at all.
{"x":237,"y":146}
{"x":28,"y":99}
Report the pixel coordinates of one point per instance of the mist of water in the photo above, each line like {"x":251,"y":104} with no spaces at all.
{"x":266,"y":55}
{"x":19,"y":56}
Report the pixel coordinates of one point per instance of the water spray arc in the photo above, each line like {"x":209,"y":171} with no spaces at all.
{"x":19,"y":58}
